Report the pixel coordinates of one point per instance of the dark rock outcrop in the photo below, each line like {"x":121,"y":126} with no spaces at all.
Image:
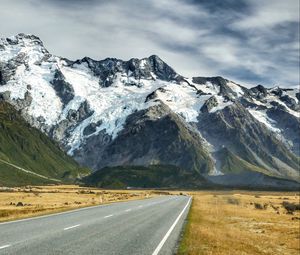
{"x":64,"y":128}
{"x":258,"y":92}
{"x":290,"y":102}
{"x":220,"y":82}
{"x":147,"y":68}
{"x":62,"y":88}
{"x":209,"y":104}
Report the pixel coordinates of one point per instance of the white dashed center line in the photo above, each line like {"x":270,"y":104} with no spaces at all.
{"x":128,"y":210}
{"x":75,"y":226}
{"x":107,"y":216}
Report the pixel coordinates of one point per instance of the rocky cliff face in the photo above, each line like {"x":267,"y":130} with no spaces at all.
{"x":141,"y":112}
{"x":155,"y":135}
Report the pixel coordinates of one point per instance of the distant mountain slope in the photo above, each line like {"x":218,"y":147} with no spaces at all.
{"x":26,"y":147}
{"x":154,"y":176}
{"x":172,"y":177}
{"x":142,"y":112}
{"x":249,"y":140}
{"x":11,"y":176}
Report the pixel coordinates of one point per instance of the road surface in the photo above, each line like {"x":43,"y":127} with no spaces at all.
{"x":150,"y":226}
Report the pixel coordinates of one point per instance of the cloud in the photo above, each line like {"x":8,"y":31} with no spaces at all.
{"x":267,"y":14}
{"x":250,"y":41}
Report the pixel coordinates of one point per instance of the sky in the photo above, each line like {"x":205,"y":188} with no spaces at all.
{"x":248,"y":41}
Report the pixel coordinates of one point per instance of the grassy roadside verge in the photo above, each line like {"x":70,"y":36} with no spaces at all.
{"x":241,"y":223}
{"x":20,"y":203}
{"x":182,"y":247}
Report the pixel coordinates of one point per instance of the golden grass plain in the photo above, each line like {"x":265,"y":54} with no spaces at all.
{"x":40,"y":200}
{"x":240,"y":222}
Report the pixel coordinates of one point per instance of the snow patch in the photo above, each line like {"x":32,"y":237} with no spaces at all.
{"x":221,"y":104}
{"x":262,"y":117}
{"x":45,"y":102}
{"x":215,"y":171}
{"x":143,"y":63}
{"x":183,"y":100}
{"x":235,"y":88}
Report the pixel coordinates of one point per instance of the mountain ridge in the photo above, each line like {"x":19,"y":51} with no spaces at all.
{"x":99,"y":111}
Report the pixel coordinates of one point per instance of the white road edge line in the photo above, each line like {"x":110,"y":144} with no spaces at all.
{"x":162,"y":242}
{"x":107,"y":216}
{"x":75,"y":226}
{"x":5,"y":246}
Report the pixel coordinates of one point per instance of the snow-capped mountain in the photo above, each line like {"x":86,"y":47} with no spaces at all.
{"x":141,"y":112}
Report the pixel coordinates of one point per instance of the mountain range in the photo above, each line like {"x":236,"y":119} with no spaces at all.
{"x":142,"y":114}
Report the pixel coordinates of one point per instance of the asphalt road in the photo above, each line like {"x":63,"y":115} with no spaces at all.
{"x":150,"y":226}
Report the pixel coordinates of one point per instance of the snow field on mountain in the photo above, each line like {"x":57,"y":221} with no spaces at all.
{"x":35,"y":69}
{"x":183,"y":100}
{"x":34,"y":77}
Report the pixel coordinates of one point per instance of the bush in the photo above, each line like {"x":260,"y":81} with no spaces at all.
{"x":20,"y":204}
{"x":290,"y":207}
{"x":258,"y":206}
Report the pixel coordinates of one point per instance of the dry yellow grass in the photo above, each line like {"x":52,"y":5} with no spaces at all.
{"x":39,"y":200}
{"x":222,"y":223}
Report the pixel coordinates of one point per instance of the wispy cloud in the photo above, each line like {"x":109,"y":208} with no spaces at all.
{"x":267,"y":14}
{"x":250,"y":41}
